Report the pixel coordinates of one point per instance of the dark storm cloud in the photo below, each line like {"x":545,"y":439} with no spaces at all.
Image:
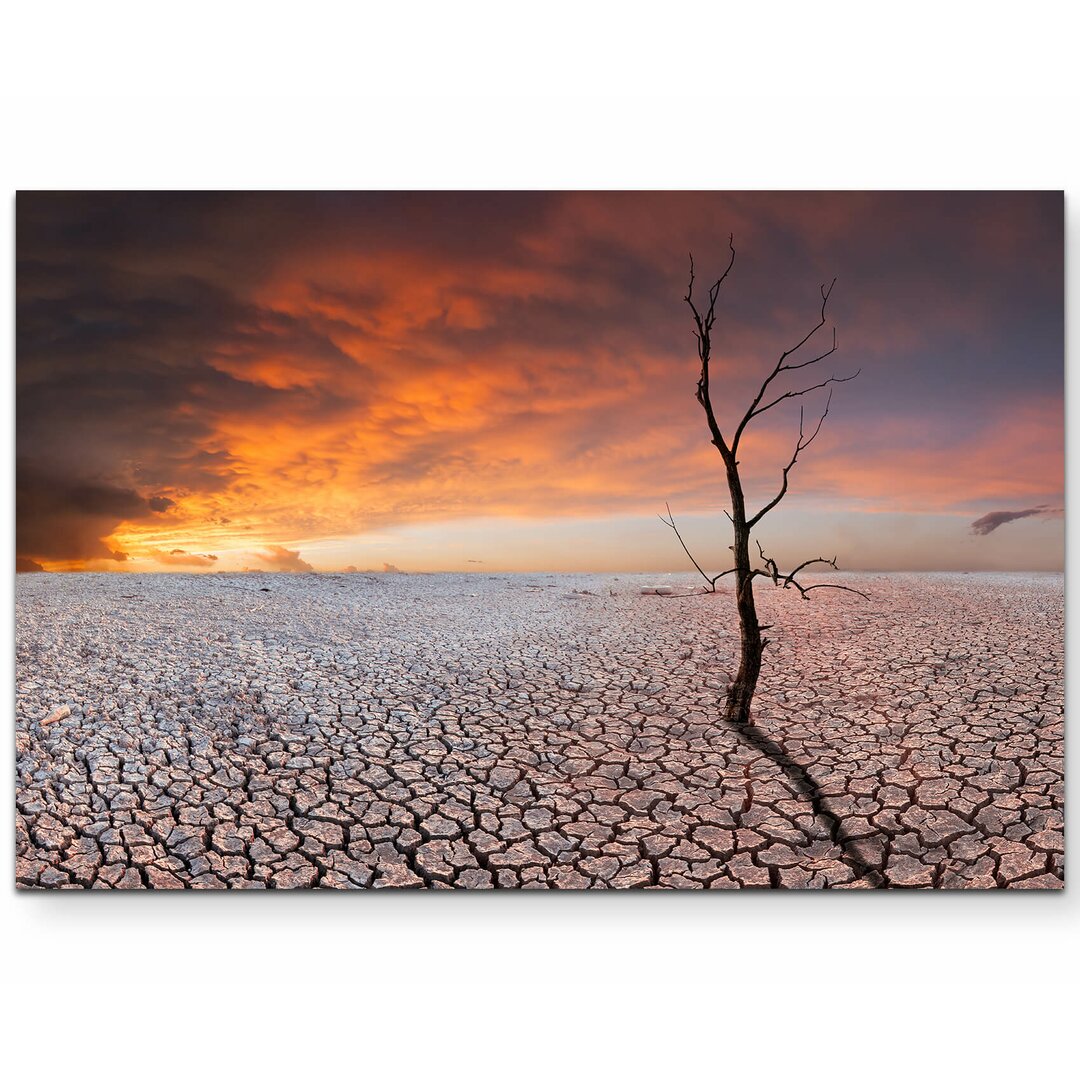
{"x":123,"y":378}
{"x":996,"y":518}
{"x":59,"y":517}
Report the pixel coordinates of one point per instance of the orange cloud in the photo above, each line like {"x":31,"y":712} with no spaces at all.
{"x":179,"y":557}
{"x":280,"y":558}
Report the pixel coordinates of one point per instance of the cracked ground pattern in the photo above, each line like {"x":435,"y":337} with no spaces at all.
{"x":534,"y":731}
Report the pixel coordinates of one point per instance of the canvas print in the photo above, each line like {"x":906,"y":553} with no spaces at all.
{"x":539,"y":540}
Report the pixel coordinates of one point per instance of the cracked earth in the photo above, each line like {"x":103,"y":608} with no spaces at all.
{"x":534,"y":731}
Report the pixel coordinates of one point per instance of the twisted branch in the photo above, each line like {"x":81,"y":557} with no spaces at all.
{"x":789,"y":580}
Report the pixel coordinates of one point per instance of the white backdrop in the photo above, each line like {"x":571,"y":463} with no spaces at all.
{"x":426,"y":95}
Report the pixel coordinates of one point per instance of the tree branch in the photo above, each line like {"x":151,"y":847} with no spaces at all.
{"x":669,"y":521}
{"x":781,"y":366}
{"x":810,"y":389}
{"x":789,"y":580}
{"x":703,"y":325}
{"x":800,"y":446}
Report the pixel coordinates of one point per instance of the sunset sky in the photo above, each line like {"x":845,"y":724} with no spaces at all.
{"x":505,"y":381}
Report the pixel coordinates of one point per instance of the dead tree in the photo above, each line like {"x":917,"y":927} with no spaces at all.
{"x":752,"y":642}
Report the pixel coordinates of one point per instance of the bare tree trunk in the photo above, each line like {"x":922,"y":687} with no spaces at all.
{"x":751,"y":644}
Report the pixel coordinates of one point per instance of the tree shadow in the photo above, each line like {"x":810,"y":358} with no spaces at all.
{"x":805,"y":785}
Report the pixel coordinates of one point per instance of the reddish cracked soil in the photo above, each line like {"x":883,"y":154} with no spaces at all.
{"x":536,"y":731}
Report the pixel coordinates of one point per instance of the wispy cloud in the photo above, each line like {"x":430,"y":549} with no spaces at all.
{"x":996,"y":518}
{"x":179,"y":557}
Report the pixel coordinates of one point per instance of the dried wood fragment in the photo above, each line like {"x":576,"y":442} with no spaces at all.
{"x":61,"y":712}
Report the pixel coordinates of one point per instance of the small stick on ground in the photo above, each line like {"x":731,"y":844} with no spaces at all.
{"x":61,"y":712}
